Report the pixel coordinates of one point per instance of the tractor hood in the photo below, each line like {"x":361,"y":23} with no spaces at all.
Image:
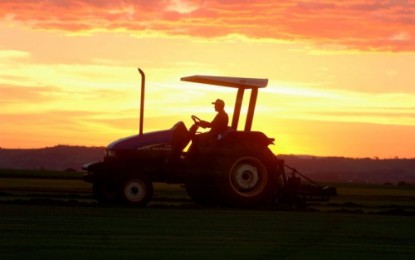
{"x":139,"y":141}
{"x":149,"y":139}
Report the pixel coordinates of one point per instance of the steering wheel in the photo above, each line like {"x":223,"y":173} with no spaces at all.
{"x":196,"y":120}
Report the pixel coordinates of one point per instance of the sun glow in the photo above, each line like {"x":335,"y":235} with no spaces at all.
{"x":339,"y":87}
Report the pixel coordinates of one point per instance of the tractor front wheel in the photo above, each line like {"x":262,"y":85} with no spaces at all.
{"x":136,"y":190}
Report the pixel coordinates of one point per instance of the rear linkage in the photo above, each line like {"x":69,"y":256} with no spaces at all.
{"x":297,"y":189}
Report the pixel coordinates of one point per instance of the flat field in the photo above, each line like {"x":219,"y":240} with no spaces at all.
{"x":47,"y":217}
{"x":45,"y":231}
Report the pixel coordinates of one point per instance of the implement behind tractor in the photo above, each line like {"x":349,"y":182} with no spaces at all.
{"x":235,"y":169}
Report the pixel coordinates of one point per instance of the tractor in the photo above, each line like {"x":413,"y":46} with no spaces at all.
{"x":236,"y":169}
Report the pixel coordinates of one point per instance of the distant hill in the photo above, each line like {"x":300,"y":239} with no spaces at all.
{"x":354,"y":170}
{"x":51,"y":158}
{"x":329,"y":169}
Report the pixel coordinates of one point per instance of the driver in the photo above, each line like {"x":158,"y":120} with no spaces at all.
{"x":217,"y":127}
{"x":220,"y":123}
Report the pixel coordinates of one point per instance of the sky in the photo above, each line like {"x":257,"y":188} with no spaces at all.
{"x":340,"y":73}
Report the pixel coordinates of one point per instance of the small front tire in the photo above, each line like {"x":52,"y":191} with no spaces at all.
{"x":136,"y":190}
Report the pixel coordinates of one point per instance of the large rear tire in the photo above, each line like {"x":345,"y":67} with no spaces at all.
{"x":136,"y":190}
{"x":247,"y":178}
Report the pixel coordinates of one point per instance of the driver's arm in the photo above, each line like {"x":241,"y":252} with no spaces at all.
{"x":204,"y":124}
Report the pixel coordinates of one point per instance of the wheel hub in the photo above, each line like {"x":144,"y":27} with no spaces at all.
{"x":246,"y":177}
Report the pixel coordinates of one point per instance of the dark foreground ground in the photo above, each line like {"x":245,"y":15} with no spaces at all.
{"x":51,"y":217}
{"x":90,"y":232}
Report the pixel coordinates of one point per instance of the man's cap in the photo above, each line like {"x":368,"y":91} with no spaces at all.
{"x":219,"y":102}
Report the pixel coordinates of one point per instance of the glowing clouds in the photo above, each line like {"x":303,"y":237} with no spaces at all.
{"x":184,"y":6}
{"x":379,"y":26}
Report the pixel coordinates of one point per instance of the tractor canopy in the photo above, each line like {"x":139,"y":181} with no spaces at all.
{"x":234,"y":82}
{"x":241,"y":84}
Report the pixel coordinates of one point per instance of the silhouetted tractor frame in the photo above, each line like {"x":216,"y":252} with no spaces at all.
{"x":238,"y":169}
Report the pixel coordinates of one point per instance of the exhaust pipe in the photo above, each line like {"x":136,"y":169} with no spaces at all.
{"x":143,"y":82}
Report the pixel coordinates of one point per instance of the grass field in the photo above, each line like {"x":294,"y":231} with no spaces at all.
{"x":125,"y":233}
{"x":363,"y":222}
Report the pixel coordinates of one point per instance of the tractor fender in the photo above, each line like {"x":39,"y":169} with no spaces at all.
{"x":239,"y":137}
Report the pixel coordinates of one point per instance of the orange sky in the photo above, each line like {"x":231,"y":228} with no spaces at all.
{"x":341,"y":77}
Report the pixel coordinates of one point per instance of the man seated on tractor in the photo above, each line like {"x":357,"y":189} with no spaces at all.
{"x":220,"y":123}
{"x":218,"y":126}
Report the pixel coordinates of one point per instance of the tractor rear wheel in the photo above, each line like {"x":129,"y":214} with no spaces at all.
{"x":136,"y":190}
{"x":247,"y":179}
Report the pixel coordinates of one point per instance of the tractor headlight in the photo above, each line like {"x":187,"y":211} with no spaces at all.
{"x":110,"y":153}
